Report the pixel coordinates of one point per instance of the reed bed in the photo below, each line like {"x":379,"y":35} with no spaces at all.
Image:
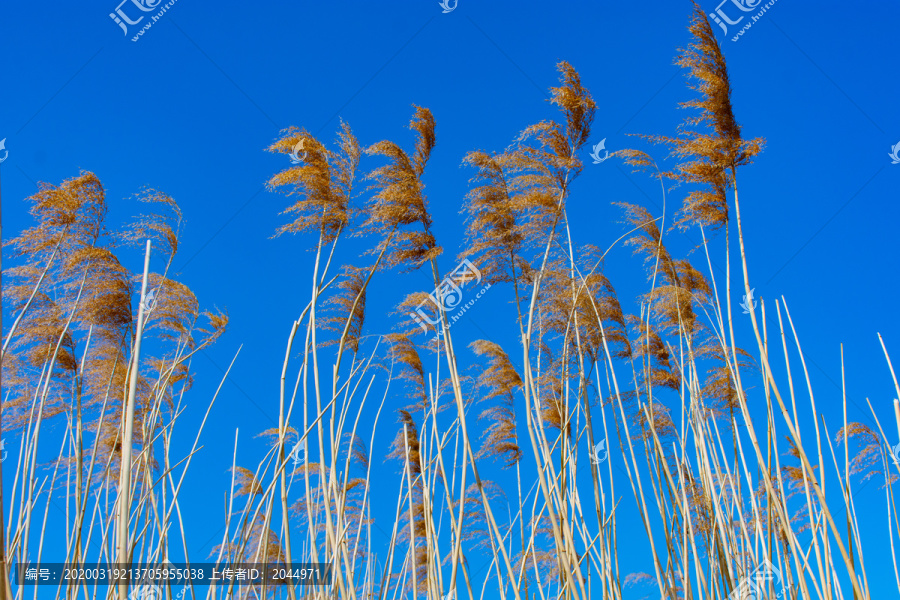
{"x":721,"y":455}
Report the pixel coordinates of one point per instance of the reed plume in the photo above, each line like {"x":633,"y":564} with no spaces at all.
{"x":400,"y":202}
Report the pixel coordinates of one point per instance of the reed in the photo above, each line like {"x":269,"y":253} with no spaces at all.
{"x":722,"y":461}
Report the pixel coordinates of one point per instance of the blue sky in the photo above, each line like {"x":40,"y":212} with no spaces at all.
{"x":190,"y":107}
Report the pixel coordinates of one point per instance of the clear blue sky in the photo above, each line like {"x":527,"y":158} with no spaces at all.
{"x":189,"y":108}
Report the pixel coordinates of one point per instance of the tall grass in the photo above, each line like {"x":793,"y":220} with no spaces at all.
{"x":723,"y":481}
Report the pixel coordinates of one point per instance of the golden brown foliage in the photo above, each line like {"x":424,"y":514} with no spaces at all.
{"x":417,"y":303}
{"x":164,"y":229}
{"x":323,"y":181}
{"x":502,"y":380}
{"x":399,"y":200}
{"x":263,"y":545}
{"x":407,"y":441}
{"x":475,"y":528}
{"x":659,"y":369}
{"x":869,"y":454}
{"x":647,"y":240}
{"x":246,"y":482}
{"x":660,"y":417}
{"x":720,"y":388}
{"x":700,"y":503}
{"x":711,"y":152}
{"x":358,"y":452}
{"x":272,"y":435}
{"x":349,"y":306}
{"x":70,"y":215}
{"x":404,"y":353}
{"x":546,"y":159}
{"x":494,"y":232}
{"x":674,"y":299}
{"x":77,"y":319}
{"x":523,"y":189}
{"x":679,"y":284}
{"x":795,"y":481}
{"x":406,"y":447}
{"x":588,"y":302}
